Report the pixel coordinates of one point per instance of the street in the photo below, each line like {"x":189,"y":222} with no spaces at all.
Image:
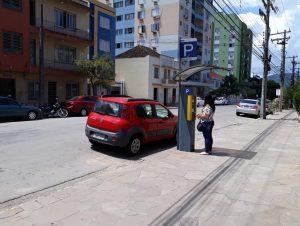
{"x":39,"y":154}
{"x":48,"y":166}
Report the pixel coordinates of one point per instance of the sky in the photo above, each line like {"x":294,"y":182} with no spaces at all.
{"x":287,"y":18}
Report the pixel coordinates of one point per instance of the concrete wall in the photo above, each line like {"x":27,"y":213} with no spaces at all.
{"x":135,"y":72}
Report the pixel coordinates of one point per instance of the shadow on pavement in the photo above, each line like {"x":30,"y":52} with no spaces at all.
{"x":147,"y":149}
{"x":231,"y":153}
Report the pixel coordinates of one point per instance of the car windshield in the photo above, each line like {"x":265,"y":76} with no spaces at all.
{"x":108,"y":108}
{"x":248,"y":101}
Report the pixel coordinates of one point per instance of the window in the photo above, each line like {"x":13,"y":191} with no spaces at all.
{"x":104,"y":45}
{"x":141,"y":2}
{"x":12,"y":4}
{"x":104,"y":22}
{"x":144,"y":111}
{"x":12,"y":42}
{"x":129,"y":16}
{"x":155,"y":12}
{"x":65,"y":19}
{"x":118,"y":4}
{"x":119,"y":31}
{"x":156,"y":72}
{"x":33,"y":90}
{"x":129,"y":2}
{"x":129,"y":30}
{"x":65,"y":54}
{"x":129,"y":44}
{"x":165,"y":73}
{"x":141,"y":29}
{"x":141,"y":15}
{"x":119,"y":45}
{"x":161,"y":112}
{"x":120,"y":18}
{"x":155,"y":27}
{"x":33,"y":52}
{"x":72,"y":89}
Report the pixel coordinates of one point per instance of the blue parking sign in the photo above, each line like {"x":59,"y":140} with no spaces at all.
{"x":188,"y":48}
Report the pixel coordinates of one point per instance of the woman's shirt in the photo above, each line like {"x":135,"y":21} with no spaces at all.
{"x":207,"y":110}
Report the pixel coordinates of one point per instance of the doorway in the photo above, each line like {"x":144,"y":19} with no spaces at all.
{"x":51,"y":93}
{"x":165,"y":96}
{"x":8,"y":87}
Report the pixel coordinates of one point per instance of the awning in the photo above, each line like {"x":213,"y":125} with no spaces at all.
{"x":187,"y":73}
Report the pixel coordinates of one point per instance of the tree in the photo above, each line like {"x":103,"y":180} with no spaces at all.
{"x":296,"y":100}
{"x":99,"y":70}
{"x":228,"y":87}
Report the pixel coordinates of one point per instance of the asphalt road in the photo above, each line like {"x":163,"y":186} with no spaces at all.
{"x":35,"y":155}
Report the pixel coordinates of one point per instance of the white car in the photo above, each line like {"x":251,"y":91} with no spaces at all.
{"x":221,"y":101}
{"x":200,"y":102}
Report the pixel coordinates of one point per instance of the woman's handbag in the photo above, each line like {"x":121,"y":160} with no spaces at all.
{"x":200,"y":126}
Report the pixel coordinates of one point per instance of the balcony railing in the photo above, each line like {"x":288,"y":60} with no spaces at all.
{"x":51,"y":26}
{"x":59,"y":65}
{"x":168,"y":81}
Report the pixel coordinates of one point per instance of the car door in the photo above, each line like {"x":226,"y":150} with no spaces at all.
{"x":165,"y":124}
{"x":148,"y":121}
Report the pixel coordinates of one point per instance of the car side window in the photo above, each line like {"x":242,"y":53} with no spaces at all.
{"x":161,"y":112}
{"x":86,"y":99}
{"x":144,"y":111}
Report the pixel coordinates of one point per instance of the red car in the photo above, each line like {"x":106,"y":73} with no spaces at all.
{"x":82,"y":105}
{"x":129,"y":123}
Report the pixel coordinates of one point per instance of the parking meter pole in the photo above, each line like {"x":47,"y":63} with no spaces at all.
{"x":187,"y":111}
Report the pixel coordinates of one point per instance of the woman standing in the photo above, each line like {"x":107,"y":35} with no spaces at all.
{"x":208,"y":123}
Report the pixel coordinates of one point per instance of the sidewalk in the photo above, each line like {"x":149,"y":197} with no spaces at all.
{"x":170,"y":187}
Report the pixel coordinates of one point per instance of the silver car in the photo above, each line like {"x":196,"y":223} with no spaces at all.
{"x":248,"y":107}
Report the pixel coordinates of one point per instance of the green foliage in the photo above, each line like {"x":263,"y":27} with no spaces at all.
{"x":99,"y":70}
{"x":296,"y":98}
{"x":229,"y":87}
{"x":248,"y":92}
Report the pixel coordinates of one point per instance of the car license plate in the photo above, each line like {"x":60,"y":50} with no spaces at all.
{"x":98,"y":136}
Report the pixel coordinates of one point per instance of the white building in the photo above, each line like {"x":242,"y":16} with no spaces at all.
{"x":148,"y":74}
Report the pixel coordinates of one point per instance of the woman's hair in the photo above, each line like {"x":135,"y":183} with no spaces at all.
{"x":210,"y":101}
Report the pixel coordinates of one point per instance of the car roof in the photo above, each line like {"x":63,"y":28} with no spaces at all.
{"x":125,"y":100}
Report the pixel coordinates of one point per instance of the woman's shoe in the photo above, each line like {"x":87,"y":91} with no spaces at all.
{"x":204,"y":153}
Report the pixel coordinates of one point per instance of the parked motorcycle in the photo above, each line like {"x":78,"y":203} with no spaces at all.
{"x":54,"y":110}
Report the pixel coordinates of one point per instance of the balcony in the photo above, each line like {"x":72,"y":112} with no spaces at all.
{"x":52,"y":64}
{"x":168,"y":81}
{"x":51,"y":26}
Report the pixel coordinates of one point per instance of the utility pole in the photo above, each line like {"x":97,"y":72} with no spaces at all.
{"x":266,"y":58}
{"x":298,"y":74}
{"x":283,"y":42}
{"x":41,"y":59}
{"x":293,"y":73}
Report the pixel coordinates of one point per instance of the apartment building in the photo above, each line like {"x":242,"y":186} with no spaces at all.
{"x":66,"y":38}
{"x":148,"y":74}
{"x":102,"y":29}
{"x":232,"y":47}
{"x":161,"y":24}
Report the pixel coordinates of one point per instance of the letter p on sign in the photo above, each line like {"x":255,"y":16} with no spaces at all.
{"x":187,"y":48}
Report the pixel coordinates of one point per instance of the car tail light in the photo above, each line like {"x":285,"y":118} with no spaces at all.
{"x":255,"y":107}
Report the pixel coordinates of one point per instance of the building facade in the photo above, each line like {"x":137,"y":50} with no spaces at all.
{"x":102,"y":29}
{"x":66,"y":38}
{"x":232,"y":47}
{"x":147,"y":74}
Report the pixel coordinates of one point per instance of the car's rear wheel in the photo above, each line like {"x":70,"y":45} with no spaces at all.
{"x":32,"y":115}
{"x":83,"y":112}
{"x":134,"y":146}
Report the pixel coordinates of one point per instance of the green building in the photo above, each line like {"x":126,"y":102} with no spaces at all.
{"x":232,"y":46}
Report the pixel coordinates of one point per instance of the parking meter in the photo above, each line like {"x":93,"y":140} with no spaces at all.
{"x":187,"y":116}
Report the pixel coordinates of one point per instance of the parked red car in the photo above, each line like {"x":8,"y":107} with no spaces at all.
{"x":129,"y":123}
{"x":82,"y":105}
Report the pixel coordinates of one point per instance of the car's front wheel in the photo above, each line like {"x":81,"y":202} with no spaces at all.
{"x":32,"y":115}
{"x":134,"y":146}
{"x":237,"y":113}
